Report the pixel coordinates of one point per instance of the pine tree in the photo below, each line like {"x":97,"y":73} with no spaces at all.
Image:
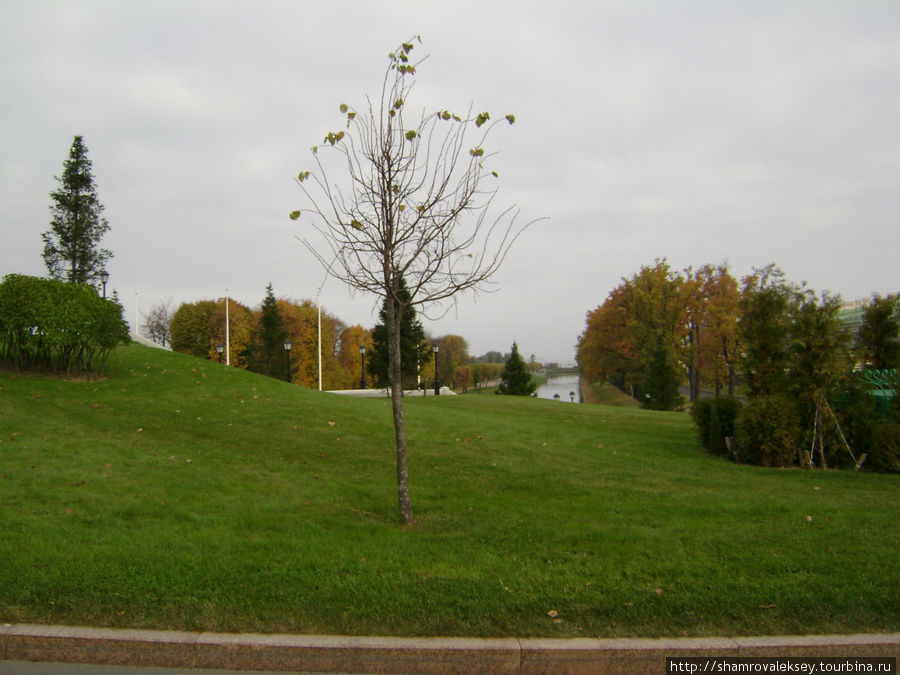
{"x":71,"y":245}
{"x":413,"y":347}
{"x":266,"y":349}
{"x":516,"y":378}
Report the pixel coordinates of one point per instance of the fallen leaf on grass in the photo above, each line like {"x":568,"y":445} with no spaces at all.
{"x":772,"y":606}
{"x":553,"y":613}
{"x":658,"y":591}
{"x":331,"y":424}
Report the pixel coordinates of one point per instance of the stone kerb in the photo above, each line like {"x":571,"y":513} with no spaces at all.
{"x":423,"y":656}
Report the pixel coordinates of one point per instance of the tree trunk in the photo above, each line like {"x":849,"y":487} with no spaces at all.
{"x":821,"y":439}
{"x":392,"y":326}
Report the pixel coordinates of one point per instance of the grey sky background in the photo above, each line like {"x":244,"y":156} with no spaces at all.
{"x":701,"y":131}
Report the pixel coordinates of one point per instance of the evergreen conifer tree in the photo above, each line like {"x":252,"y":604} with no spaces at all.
{"x":413,"y":347}
{"x":266,"y":348}
{"x":516,"y":378}
{"x":71,"y":245}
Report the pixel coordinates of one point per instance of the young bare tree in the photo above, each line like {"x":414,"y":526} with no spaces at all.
{"x":411,"y":204}
{"x":158,"y":323}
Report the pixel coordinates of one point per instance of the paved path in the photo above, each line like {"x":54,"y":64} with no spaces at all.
{"x":32,"y":668}
{"x":185,"y":652}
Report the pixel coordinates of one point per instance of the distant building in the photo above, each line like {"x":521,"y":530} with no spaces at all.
{"x":852,"y":313}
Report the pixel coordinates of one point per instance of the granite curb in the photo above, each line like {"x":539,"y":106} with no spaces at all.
{"x":397,"y":656}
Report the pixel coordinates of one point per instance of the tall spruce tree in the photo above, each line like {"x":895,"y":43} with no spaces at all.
{"x":266,"y":349}
{"x":516,"y":378}
{"x":72,"y":244}
{"x":413,"y":347}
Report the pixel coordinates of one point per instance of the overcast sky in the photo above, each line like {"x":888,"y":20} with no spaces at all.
{"x":746,"y":132}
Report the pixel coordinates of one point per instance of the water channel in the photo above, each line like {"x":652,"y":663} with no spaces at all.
{"x":561,"y":388}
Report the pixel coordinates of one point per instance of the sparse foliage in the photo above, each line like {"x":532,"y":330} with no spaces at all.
{"x":412,"y":204}
{"x":158,"y":323}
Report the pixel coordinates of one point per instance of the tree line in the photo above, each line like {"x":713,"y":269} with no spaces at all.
{"x":780,"y":365}
{"x":256,"y":342}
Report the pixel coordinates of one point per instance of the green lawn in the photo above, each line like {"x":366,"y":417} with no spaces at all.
{"x":182,"y":494}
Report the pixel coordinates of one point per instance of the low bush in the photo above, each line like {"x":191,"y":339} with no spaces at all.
{"x":884,"y":452}
{"x":51,"y":325}
{"x":767,"y":431}
{"x":715,"y":418}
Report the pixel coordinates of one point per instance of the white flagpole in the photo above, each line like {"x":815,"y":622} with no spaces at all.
{"x":227,"y":333}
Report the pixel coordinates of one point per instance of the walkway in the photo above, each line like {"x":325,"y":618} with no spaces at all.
{"x":422,"y":656}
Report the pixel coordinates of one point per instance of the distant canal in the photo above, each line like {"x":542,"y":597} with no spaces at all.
{"x":565,"y":387}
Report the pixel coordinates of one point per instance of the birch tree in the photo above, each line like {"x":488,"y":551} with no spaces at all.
{"x":409,"y":197}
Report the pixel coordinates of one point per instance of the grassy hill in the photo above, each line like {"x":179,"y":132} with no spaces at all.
{"x":178,"y":493}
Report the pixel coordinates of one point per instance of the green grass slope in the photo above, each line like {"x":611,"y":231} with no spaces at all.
{"x":181,"y":494}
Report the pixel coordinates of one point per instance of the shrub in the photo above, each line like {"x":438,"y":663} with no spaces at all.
{"x":767,"y":431}
{"x":51,"y":325}
{"x":884,"y":452}
{"x":715,"y":418}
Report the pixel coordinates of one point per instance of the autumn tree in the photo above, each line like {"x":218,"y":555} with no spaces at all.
{"x":634,"y":339}
{"x":453,"y":352}
{"x":656,"y":323}
{"x":710,"y":300}
{"x":722,"y":342}
{"x":606,"y":350}
{"x":72,"y":250}
{"x":349,"y":361}
{"x":197,"y":327}
{"x":193,"y":329}
{"x":301,"y":323}
{"x":413,"y":204}
{"x":233,"y":329}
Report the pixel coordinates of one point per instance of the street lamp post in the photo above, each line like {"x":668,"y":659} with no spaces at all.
{"x":437,"y":380}
{"x":104,"y":277}
{"x":220,"y":348}
{"x":287,"y":351}
{"x":362,"y":366}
